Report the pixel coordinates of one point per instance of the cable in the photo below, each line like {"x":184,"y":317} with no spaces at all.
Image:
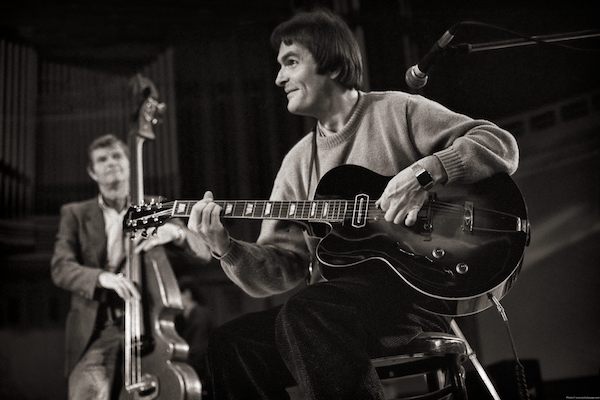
{"x":519,"y":369}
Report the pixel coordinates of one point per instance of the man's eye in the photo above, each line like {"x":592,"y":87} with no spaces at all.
{"x":291,"y":62}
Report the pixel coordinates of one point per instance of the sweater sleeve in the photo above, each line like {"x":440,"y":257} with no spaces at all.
{"x":278,"y":261}
{"x":468,"y":149}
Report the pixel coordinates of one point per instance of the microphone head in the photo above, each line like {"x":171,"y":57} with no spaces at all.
{"x":415,"y":78}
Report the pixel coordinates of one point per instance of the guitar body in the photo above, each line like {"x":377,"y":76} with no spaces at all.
{"x":470,"y":265}
{"x":165,"y":374}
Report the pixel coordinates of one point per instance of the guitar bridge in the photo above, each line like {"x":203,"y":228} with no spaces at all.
{"x":427,"y":219}
{"x":468,"y":217}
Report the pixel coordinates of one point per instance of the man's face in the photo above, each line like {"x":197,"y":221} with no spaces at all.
{"x":306,"y":90}
{"x":110,"y":165}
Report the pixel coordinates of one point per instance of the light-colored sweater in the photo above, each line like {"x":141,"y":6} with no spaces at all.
{"x":387,"y":132}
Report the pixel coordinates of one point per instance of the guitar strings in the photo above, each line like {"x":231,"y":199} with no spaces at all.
{"x":373,"y":212}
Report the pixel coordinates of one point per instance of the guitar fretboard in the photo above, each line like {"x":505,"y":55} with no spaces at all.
{"x":316,"y":210}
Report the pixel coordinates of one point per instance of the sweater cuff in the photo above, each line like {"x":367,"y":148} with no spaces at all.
{"x":232,"y":255}
{"x":450,"y":159}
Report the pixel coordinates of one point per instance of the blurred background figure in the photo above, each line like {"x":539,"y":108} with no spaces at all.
{"x":194,"y":325}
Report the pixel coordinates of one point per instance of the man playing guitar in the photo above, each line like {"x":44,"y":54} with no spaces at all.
{"x":324,"y":336}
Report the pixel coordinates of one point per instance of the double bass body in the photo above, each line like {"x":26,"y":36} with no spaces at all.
{"x":163,"y":373}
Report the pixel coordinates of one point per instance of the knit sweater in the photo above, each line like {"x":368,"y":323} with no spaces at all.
{"x":387,"y":132}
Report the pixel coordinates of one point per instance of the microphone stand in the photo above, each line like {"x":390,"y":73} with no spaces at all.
{"x":541,"y":39}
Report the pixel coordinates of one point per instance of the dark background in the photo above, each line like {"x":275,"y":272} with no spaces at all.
{"x":228,"y":129}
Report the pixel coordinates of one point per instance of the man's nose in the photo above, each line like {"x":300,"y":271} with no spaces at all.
{"x":281,"y":79}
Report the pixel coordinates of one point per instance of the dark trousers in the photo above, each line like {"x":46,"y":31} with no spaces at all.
{"x":321,"y":338}
{"x":93,"y":377}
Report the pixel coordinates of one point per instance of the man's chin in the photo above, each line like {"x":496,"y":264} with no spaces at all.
{"x":115,"y":181}
{"x":294,"y":109}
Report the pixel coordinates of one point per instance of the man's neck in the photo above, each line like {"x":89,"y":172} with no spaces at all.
{"x":338,"y":110}
{"x":115,"y":197}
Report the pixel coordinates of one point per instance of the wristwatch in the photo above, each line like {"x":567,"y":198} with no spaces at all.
{"x":423,"y":176}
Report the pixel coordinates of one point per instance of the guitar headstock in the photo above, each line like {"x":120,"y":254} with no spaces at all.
{"x":144,"y":216}
{"x":150,"y":110}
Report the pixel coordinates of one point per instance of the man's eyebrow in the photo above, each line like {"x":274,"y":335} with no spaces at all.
{"x":287,"y":54}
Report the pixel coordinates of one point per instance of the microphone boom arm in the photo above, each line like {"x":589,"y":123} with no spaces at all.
{"x":541,"y":39}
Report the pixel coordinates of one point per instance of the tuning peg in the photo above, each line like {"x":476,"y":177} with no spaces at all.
{"x":145,"y":233}
{"x":132,"y":235}
{"x":154,"y":231}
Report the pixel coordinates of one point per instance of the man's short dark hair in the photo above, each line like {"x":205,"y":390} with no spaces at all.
{"x":108,"y":140}
{"x":329,"y":40}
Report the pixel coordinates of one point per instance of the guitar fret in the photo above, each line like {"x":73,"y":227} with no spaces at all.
{"x":238,"y":208}
{"x":258,"y":209}
{"x":267,"y":210}
{"x":283,"y":210}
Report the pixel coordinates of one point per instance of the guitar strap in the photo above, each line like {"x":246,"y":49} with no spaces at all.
{"x":314,"y":168}
{"x":314,"y":159}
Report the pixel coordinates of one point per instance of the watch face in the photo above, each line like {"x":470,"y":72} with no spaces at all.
{"x":423,"y":177}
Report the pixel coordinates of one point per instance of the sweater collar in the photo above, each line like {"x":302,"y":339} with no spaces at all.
{"x":347,"y":131}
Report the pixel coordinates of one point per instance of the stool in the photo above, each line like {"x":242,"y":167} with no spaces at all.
{"x":428,"y":367}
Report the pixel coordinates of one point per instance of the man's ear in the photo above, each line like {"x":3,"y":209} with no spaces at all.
{"x":334,"y":74}
{"x":92,"y":174}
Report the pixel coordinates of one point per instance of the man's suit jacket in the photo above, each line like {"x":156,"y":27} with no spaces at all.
{"x":79,"y":257}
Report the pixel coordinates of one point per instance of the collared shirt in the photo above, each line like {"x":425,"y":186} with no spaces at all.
{"x":113,"y":226}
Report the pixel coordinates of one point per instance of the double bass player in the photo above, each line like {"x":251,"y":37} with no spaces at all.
{"x":88,"y":258}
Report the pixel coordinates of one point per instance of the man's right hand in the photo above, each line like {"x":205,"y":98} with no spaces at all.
{"x":117,"y":282}
{"x":205,"y":220}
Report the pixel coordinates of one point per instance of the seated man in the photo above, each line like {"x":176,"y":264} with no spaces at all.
{"x":324,"y":336}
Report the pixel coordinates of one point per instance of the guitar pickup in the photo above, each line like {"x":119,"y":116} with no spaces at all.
{"x":360,"y":212}
{"x":468,"y":217}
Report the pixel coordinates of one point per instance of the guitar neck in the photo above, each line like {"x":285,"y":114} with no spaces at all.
{"x":307,"y":210}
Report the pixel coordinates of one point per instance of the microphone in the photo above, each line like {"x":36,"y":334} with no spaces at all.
{"x":416,"y":76}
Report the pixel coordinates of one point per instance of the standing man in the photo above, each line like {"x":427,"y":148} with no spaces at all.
{"x":88,"y":256}
{"x":324,"y":336}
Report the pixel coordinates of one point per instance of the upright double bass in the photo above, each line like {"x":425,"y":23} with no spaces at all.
{"x":154,"y":354}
